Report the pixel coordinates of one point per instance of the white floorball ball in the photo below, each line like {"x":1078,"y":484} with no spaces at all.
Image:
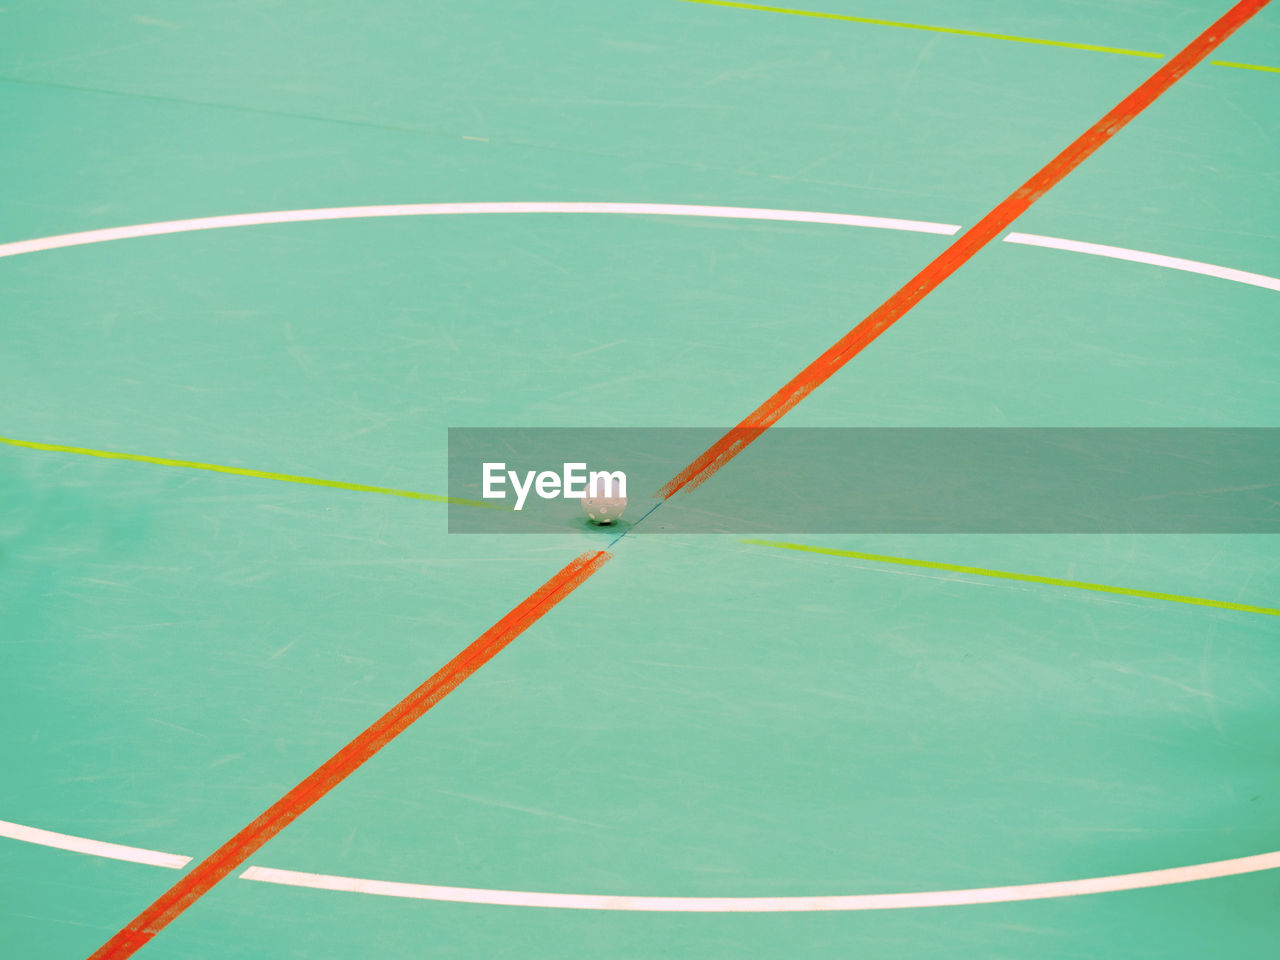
{"x":602,"y":504}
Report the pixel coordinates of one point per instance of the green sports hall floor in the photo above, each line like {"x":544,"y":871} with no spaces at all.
{"x":704,"y":717}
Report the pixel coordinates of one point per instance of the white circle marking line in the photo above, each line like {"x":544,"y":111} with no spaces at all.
{"x":653,"y":209}
{"x":878,"y":901}
{"x":1141,"y":256}
{"x":585,"y":901}
{"x":442,"y":209}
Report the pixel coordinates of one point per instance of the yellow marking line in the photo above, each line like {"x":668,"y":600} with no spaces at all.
{"x":246,"y":472}
{"x":1027,"y":577}
{"x":930,"y":29}
{"x":963,"y":33}
{"x":803,"y":548}
{"x":1244,"y":66}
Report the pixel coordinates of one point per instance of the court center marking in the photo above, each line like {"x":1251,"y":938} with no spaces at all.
{"x":213,"y":868}
{"x":871,"y":21}
{"x":140,"y":931}
{"x":958,"y":253}
{"x":338,"y":213}
{"x":583,"y":901}
{"x":438,"y":209}
{"x":246,"y":472}
{"x":1006,"y":575}
{"x":96,"y":848}
{"x":1140,"y":256}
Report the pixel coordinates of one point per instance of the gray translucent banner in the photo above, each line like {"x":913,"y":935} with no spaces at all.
{"x":870,"y":480}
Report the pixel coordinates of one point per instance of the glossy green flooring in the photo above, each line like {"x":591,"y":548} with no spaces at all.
{"x":704,"y":717}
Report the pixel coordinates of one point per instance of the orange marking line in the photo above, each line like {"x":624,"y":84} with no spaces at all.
{"x":956,"y":255}
{"x":346,"y":761}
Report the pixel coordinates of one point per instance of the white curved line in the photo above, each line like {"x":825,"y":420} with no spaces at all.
{"x":869,"y":901}
{"x":586,"y":901}
{"x":97,"y":848}
{"x":437,"y":209}
{"x":936,"y":898}
{"x":652,"y":209}
{"x":1140,"y":256}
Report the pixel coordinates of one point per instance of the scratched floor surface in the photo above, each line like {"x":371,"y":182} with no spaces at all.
{"x":704,"y":717}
